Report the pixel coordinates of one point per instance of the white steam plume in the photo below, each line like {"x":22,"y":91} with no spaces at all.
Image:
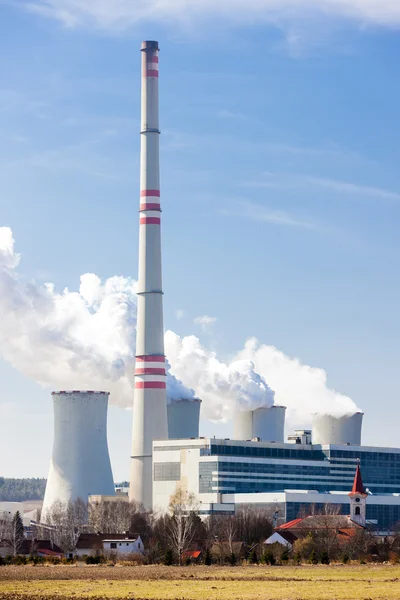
{"x":301,"y":388}
{"x":219,"y":385}
{"x":86,"y":340}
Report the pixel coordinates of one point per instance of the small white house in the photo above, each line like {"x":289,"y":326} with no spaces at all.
{"x":124,"y":545}
{"x":284,"y":538}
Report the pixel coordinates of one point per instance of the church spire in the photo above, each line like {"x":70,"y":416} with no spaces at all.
{"x":358,"y":486}
{"x":358,"y":495}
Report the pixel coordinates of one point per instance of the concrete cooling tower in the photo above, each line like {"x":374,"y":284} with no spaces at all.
{"x":183,"y":418}
{"x":266,"y":423}
{"x":80,"y":463}
{"x":327,"y":429}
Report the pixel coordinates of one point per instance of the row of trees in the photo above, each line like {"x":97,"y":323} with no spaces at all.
{"x":19,"y":490}
{"x":178,"y":531}
{"x":224,"y":538}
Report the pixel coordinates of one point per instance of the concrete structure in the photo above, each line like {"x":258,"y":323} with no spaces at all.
{"x":8,"y":509}
{"x":329,"y":429}
{"x":267,"y":424}
{"x":300,"y":436}
{"x":183,"y":418}
{"x":80,"y":463}
{"x":224,"y":474}
{"x":150,"y":401}
{"x":96,"y":499}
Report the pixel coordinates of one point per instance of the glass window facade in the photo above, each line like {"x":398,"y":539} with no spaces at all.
{"x":170,"y":471}
{"x":206,"y":470}
{"x":335,"y":471}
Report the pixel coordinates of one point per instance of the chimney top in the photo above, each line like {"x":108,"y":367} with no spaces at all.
{"x":149,"y":45}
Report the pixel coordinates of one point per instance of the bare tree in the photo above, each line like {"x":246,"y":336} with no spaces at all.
{"x":182,"y":523}
{"x":5,"y":527}
{"x":228,"y":531}
{"x":68,"y":521}
{"x":253,"y":525}
{"x":119,"y":517}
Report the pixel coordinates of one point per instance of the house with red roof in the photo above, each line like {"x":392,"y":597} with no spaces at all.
{"x":344,"y":526}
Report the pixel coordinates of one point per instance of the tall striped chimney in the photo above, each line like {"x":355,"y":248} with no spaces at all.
{"x":150,"y":400}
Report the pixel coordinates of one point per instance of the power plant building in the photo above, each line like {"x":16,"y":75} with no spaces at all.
{"x":227,"y":473}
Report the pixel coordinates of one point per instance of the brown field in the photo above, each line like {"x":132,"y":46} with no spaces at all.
{"x":358,"y":582}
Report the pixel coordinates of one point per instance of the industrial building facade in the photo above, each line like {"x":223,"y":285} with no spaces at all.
{"x":225,"y":473}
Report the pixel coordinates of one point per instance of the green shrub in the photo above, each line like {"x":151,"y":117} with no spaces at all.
{"x":232,"y":559}
{"x":314,"y":558}
{"x":169,"y":558}
{"x":268,"y":558}
{"x":297,"y":558}
{"x":208,"y":558}
{"x":285,"y":555}
{"x":345,"y":559}
{"x":325,"y":558}
{"x":253,"y":559}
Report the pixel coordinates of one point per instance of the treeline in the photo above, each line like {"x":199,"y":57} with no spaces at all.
{"x":19,"y":490}
{"x":174,"y":534}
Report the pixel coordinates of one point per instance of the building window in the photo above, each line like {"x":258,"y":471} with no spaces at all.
{"x":138,"y":545}
{"x":113,"y":545}
{"x":357,"y":511}
{"x":167,"y":471}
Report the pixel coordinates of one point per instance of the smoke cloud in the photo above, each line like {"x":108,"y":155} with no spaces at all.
{"x":303,"y":389}
{"x":86,"y":340}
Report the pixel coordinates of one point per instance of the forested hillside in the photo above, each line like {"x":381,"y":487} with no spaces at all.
{"x":18,"y":490}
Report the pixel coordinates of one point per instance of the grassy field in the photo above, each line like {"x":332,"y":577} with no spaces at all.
{"x":367,"y":582}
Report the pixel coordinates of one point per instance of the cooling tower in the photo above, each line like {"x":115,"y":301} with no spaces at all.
{"x":269,"y":423}
{"x":183,"y":419}
{"x":243,"y":425}
{"x":150,"y":400}
{"x":80,"y":463}
{"x":266,"y":423}
{"x":327,"y":429}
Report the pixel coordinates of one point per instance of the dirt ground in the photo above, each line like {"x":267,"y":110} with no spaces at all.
{"x":358,"y":582}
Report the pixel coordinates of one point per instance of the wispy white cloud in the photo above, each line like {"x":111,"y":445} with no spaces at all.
{"x":353,"y":188}
{"x":180,"y":314}
{"x":256,"y":212}
{"x":122,"y":14}
{"x":86,"y":156}
{"x":204,"y":321}
{"x":228,"y":114}
{"x":288,"y":180}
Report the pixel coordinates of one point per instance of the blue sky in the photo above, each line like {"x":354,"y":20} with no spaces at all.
{"x":280,"y":183}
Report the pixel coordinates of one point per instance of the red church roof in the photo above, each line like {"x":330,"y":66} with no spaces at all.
{"x":358,"y":486}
